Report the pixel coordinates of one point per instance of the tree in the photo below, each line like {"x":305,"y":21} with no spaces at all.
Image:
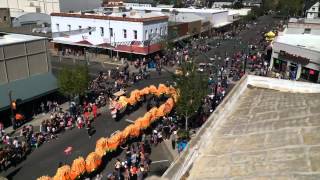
{"x":284,"y":7}
{"x":73,"y":82}
{"x":192,"y":87}
{"x":237,"y":5}
{"x":177,"y":4}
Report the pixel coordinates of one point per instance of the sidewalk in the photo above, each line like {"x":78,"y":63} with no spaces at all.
{"x":36,"y":120}
{"x":173,"y":152}
{"x":101,"y":58}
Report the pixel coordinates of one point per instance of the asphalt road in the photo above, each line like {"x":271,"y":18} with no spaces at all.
{"x":45,"y":159}
{"x":229,"y":47}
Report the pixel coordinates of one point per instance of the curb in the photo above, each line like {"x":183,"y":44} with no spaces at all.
{"x":172,"y":156}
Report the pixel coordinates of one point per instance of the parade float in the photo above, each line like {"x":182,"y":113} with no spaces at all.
{"x":104,"y":145}
{"x":119,"y":103}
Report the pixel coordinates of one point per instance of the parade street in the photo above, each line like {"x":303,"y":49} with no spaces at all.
{"x":45,"y":160}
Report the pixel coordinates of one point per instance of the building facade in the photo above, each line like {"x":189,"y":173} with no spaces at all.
{"x":216,"y":17}
{"x":296,"y":50}
{"x":5,"y":18}
{"x":130,"y":32}
{"x":252,"y":3}
{"x":222,"y":3}
{"x":312,"y":11}
{"x":18,"y":7}
{"x":24,"y":67}
{"x":139,"y":3}
{"x":297,"y":56}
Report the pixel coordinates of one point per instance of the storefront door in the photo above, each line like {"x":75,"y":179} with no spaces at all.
{"x":293,"y":70}
{"x":280,"y":66}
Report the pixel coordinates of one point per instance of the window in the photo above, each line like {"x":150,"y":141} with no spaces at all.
{"x":90,"y":30}
{"x":151,"y":32}
{"x":102,"y":31}
{"x":58,"y":27}
{"x":135,"y":34}
{"x":146,"y":34}
{"x":161,"y":31}
{"x":313,"y":9}
{"x":124,"y":33}
{"x":69,"y":27}
{"x":4,"y":18}
{"x":110,"y":32}
{"x":156,"y":31}
{"x":80,"y":27}
{"x":307,"y":31}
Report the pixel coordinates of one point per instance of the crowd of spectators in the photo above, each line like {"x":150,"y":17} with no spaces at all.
{"x":15,"y":147}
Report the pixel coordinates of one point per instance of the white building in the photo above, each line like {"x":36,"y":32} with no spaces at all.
{"x":296,"y":50}
{"x":18,"y":7}
{"x":312,"y":10}
{"x":252,"y":3}
{"x":297,"y":55}
{"x":131,"y":32}
{"x":217,"y":17}
{"x":222,"y":3}
{"x":138,"y":3}
{"x":303,"y":26}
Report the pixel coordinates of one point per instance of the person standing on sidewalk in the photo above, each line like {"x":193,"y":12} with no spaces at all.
{"x":89,"y":129}
{"x":174,"y":139}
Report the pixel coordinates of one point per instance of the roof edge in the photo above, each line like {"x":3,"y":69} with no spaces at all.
{"x":91,"y":16}
{"x":181,"y":166}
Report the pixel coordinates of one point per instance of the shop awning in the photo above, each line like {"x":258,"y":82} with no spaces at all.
{"x":27,"y":89}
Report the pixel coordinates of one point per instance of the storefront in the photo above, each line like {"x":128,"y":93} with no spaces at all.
{"x":280,"y":65}
{"x":309,"y":74}
{"x":298,"y":55}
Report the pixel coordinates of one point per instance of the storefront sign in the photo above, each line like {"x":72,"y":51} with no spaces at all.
{"x":294,"y":58}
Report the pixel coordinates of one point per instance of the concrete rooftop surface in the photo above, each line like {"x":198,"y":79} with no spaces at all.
{"x":269,"y":134}
{"x":265,"y":134}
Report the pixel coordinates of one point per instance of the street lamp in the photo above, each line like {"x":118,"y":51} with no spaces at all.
{"x":12,"y":108}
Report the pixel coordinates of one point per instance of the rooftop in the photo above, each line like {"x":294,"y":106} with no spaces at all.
{"x":185,"y":18}
{"x":139,"y":1}
{"x":118,"y":16}
{"x":264,"y":129}
{"x":190,"y":10}
{"x":304,"y":21}
{"x":241,"y":12}
{"x":134,"y":14}
{"x":307,"y":41}
{"x":11,"y":38}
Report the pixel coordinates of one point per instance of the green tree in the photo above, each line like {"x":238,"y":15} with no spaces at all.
{"x":284,"y":7}
{"x":177,"y":4}
{"x":73,"y":82}
{"x":192,"y":87}
{"x":237,"y":5}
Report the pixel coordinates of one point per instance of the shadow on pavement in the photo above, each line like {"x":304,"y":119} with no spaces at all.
{"x":13,"y":173}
